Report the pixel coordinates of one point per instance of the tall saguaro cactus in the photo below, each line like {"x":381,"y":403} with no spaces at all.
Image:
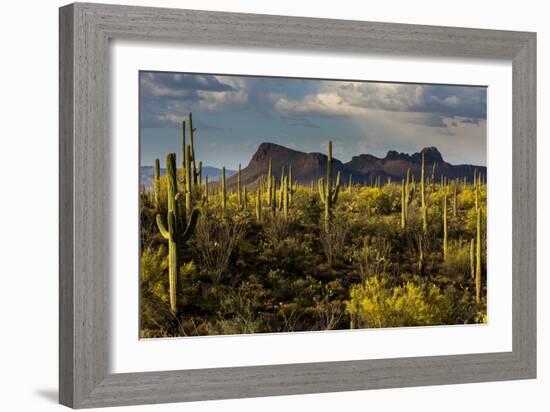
{"x":156,"y":184}
{"x":178,"y":230}
{"x":286,"y":196}
{"x":403,"y":204}
{"x":445,"y":225}
{"x":239,"y":189}
{"x":424,"y":207}
{"x":192,"y":131}
{"x":455,"y":198}
{"x":472,"y":259}
{"x":183,"y":146}
{"x":259,"y":204}
{"x":224,"y":193}
{"x":478,"y":257}
{"x":329,"y":194}
{"x":269,"y":184}
{"x":188,"y":188}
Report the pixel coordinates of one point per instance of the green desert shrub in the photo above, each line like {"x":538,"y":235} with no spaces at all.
{"x":376,"y":304}
{"x":214,"y":242}
{"x":457,"y":262}
{"x":333,"y":240}
{"x":154,"y":305}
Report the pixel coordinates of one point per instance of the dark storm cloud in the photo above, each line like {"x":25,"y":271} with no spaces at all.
{"x":176,"y":85}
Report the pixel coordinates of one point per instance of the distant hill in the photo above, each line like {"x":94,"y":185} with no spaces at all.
{"x":147,"y":173}
{"x":363,"y":168}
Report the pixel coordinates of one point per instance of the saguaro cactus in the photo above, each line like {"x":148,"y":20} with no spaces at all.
{"x":455,"y":198}
{"x":286,"y":196}
{"x":199,"y":177}
{"x":269,"y":183}
{"x":183,"y":148}
{"x":445,"y":225}
{"x":424,"y":208}
{"x":329,"y":194}
{"x":478,"y":257}
{"x":188,"y":188}
{"x":206,"y":192}
{"x":350,"y":184}
{"x":433,"y":178}
{"x":472,"y":259}
{"x":192,"y":131}
{"x":259,"y":204}
{"x":291,"y":187}
{"x":403,"y":204}
{"x":224,"y":193}
{"x":156,"y":185}
{"x":178,"y":230}
{"x":239,"y":190}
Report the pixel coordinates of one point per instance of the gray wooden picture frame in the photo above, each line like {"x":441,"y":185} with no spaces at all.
{"x":85,"y":32}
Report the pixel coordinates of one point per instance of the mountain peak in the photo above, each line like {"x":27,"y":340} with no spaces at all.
{"x":432,"y":155}
{"x":266,"y":150}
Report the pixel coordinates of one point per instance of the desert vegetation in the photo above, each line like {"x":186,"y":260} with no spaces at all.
{"x":277,"y":254}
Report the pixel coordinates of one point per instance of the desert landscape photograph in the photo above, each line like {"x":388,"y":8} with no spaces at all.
{"x":273,"y":205}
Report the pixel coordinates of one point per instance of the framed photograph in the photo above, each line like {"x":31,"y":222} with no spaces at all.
{"x":256,"y":205}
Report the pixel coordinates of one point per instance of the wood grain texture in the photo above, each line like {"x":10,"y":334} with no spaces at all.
{"x":85,"y":31}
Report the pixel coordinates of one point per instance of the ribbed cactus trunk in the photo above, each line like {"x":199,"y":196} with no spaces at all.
{"x":177,"y":232}
{"x":206,"y":190}
{"x":424,"y":207}
{"x":259,"y":205}
{"x":421,"y":265}
{"x":407,"y":195}
{"x":286,"y":197}
{"x":350,"y":184}
{"x":224,"y":193}
{"x":269,"y":182}
{"x":328,"y":194}
{"x":199,"y":177}
{"x":433,"y":178}
{"x":445,"y":225}
{"x":472,"y":259}
{"x":245,"y":198}
{"x":455,"y":202}
{"x":403,"y":204}
{"x":478,"y":257}
{"x":188,"y":188}
{"x":192,"y":131}
{"x":183,"y":148}
{"x":156,"y":185}
{"x":239,"y":189}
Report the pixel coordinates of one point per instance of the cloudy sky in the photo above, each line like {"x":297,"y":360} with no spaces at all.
{"x":234,"y":114}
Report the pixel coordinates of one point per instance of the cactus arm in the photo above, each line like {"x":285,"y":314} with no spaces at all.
{"x":156,"y":184}
{"x":162,"y":229}
{"x":322,"y":190}
{"x":335,"y":192}
{"x":191,"y":226}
